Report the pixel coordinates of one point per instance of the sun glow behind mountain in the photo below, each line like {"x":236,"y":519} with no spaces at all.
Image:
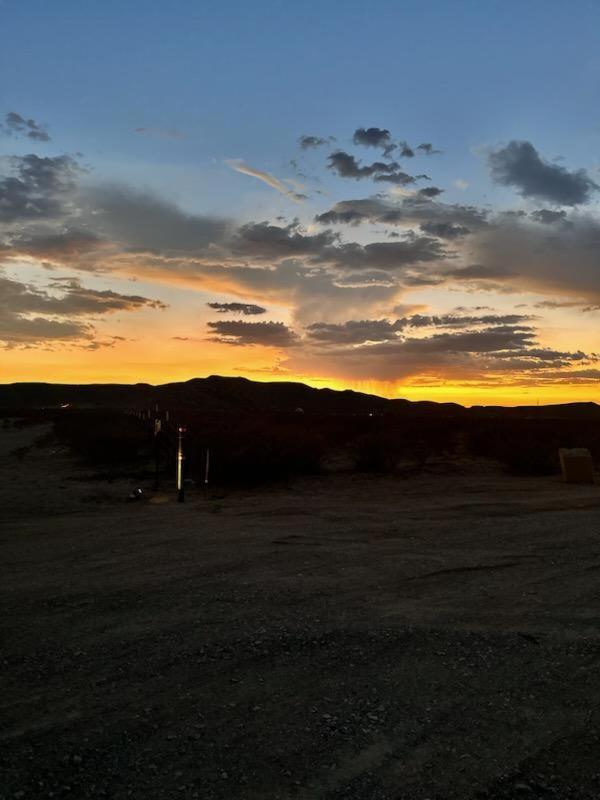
{"x":371,"y":243}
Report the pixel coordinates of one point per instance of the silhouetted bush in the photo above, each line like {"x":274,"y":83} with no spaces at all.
{"x":530,"y":446}
{"x":103,"y":437}
{"x":250,"y":454}
{"x":401,"y":442}
{"x":375,"y":452}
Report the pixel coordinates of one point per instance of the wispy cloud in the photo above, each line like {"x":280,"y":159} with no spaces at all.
{"x":240,"y":166}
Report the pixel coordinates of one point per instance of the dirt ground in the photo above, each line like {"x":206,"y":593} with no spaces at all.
{"x":343,"y":636}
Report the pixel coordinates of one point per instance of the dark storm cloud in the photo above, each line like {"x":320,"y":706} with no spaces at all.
{"x":312,"y":142}
{"x":520,"y":165}
{"x":270,"y":334}
{"x":247,"y":309}
{"x":37,"y":188}
{"x":445,"y":230}
{"x":16,"y":125}
{"x":372,"y":137}
{"x":428,"y":149}
{"x":406,"y":151}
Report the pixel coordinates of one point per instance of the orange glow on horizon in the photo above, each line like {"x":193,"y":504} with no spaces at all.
{"x":169,"y":363}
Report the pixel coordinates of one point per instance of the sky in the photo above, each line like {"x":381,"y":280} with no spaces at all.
{"x":394,"y":197}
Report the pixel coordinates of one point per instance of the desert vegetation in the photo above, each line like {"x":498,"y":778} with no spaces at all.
{"x":250,"y":449}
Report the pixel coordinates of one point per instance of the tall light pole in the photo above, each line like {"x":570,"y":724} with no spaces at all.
{"x":180,"y":459}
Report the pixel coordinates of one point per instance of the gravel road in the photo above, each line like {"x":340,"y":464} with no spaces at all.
{"x":340,"y":637}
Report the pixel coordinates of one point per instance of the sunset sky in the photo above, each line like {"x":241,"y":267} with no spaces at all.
{"x":396,"y":197}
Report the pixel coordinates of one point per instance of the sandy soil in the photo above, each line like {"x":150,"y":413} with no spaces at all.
{"x":340,"y":637}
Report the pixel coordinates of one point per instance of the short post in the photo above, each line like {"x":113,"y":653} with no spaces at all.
{"x":206,"y":467}
{"x":157,"y":429}
{"x":180,"y":459}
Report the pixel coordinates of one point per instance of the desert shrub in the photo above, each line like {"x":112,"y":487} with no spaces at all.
{"x":375,"y":452}
{"x":410,"y":441}
{"x":530,"y":446}
{"x":246,"y":453}
{"x":103,"y":437}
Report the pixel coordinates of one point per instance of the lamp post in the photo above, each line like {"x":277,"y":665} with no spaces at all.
{"x":180,"y":460}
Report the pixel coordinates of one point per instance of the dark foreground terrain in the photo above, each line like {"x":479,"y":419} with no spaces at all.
{"x":338,"y":637}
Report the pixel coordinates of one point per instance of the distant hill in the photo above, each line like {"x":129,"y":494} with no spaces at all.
{"x":240,"y":395}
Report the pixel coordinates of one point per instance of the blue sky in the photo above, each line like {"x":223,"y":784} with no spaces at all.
{"x":155,"y":115}
{"x":243,"y":80}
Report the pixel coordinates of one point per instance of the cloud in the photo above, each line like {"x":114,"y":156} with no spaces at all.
{"x":428,"y":149}
{"x":275,"y":243}
{"x":77,"y":300}
{"x":398,"y":255}
{"x":143,"y":221}
{"x":490,"y":348}
{"x":268,"y":334}
{"x":553,"y":259}
{"x":346,"y":166}
{"x":372,"y":137}
{"x":37,"y":188}
{"x":312,"y":142}
{"x":248,"y":309}
{"x":445,"y":230}
{"x":266,"y":241}
{"x":519,"y":164}
{"x":31,"y":316}
{"x":411,"y":209}
{"x":354,"y":332}
{"x":16,"y":125}
{"x":582,"y":305}
{"x":406,"y":151}
{"x":399,"y":178}
{"x":547,"y":217}
{"x":265,"y":177}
